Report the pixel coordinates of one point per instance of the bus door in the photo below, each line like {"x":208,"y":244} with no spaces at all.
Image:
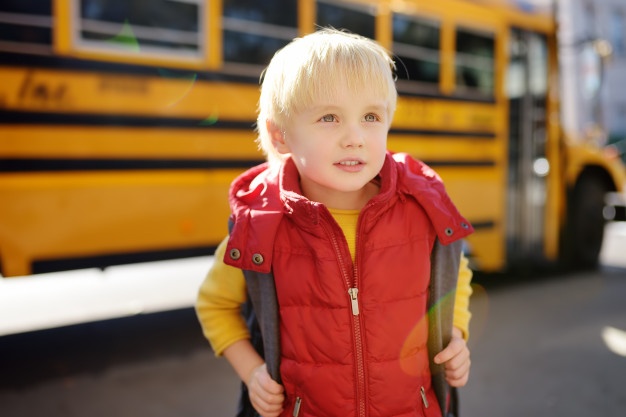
{"x":526,"y":88}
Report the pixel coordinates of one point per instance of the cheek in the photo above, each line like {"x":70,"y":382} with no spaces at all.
{"x":306,"y":155}
{"x":380,"y":146}
{"x":314,"y":149}
{"x":381,"y":160}
{"x":378,"y":140}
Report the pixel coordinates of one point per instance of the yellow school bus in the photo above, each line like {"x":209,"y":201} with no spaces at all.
{"x":122,"y":123}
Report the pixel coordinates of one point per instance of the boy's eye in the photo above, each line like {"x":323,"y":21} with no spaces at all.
{"x":328,"y":118}
{"x":371,"y":117}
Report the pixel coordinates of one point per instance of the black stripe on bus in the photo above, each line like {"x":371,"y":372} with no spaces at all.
{"x":100,"y":164}
{"x":96,"y":164}
{"x":448,"y":133}
{"x":103,"y":261}
{"x":482,"y":225}
{"x":111,"y":120}
{"x":460,"y":163}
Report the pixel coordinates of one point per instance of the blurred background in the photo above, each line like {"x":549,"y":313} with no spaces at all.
{"x":123,"y":122}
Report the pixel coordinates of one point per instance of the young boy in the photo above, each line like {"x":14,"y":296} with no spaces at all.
{"x":342,"y":245}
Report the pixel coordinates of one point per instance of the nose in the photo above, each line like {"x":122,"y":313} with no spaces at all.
{"x":354,"y":137}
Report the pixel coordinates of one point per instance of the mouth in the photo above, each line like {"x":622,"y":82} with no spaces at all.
{"x":350,"y":163}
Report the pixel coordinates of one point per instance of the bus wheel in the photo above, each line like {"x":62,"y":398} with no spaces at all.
{"x":585,"y":223}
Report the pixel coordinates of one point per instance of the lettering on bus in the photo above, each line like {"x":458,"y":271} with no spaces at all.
{"x":41,"y":91}
{"x":126,"y":85}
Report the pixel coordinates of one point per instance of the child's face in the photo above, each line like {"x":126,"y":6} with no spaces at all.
{"x":338,"y":146}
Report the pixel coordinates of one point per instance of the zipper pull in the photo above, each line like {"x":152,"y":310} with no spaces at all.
{"x":296,"y":407}
{"x":424,"y":399}
{"x":355,"y":301}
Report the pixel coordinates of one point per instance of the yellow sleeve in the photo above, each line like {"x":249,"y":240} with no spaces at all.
{"x":462,"y":314}
{"x":219,"y":301}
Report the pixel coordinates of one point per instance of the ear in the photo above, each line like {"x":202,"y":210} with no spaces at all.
{"x":277,"y":136}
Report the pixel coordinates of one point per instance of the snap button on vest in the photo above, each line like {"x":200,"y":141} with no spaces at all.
{"x":257,"y":258}
{"x":449,"y":231}
{"x":235,"y":254}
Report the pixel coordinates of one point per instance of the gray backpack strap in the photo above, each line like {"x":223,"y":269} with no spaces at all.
{"x":445,"y":260}
{"x":263,"y":310}
{"x":261,"y":314}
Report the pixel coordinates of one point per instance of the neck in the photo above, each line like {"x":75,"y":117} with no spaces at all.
{"x":341,"y":200}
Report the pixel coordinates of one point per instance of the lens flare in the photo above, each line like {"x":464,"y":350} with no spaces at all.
{"x":409,"y":363}
{"x":419,"y":333}
{"x":478,"y":307}
{"x":125,"y":39}
{"x":210,"y":120}
{"x":184,"y":84}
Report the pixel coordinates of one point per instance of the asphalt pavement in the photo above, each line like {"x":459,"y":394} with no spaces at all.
{"x":549,"y":346}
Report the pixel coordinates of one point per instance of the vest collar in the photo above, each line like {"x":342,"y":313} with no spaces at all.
{"x":263,"y":195}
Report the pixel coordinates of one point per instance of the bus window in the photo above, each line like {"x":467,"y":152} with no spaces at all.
{"x":352,"y":17}
{"x":416,"y":49}
{"x":474,"y":62}
{"x":26,"y":25}
{"x":170,"y":27}
{"x":255,"y":30}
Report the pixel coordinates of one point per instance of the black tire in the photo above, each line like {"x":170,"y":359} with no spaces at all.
{"x":585,"y":223}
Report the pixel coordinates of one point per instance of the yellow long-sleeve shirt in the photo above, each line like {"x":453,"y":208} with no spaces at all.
{"x":224,"y":291}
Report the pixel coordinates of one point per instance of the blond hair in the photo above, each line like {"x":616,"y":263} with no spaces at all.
{"x":311,"y":67}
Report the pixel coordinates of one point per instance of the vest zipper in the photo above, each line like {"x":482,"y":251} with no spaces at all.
{"x":361,"y":391}
{"x":352,"y":285}
{"x":359,"y":357}
{"x":296,"y":407}
{"x":424,"y":399}
{"x":354,"y":292}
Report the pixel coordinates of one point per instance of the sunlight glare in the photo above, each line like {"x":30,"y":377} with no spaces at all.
{"x":615,"y":340}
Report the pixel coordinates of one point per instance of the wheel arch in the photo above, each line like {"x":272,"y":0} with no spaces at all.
{"x":581,"y":239}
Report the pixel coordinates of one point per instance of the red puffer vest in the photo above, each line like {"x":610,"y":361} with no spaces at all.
{"x":352,"y":335}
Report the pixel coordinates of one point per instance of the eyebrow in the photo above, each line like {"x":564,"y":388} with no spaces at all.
{"x":381,"y":106}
